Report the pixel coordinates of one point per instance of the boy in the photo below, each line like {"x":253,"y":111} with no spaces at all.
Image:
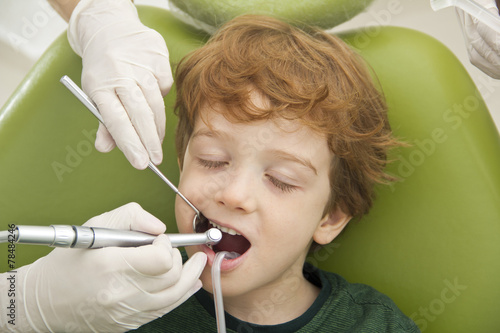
{"x":281,"y":136}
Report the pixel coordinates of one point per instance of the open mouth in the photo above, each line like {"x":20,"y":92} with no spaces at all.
{"x":231,"y":240}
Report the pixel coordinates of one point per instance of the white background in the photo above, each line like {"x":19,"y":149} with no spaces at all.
{"x":28,"y":27}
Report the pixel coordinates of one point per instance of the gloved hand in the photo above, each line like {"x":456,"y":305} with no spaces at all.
{"x":106,"y":290}
{"x":483,"y":43}
{"x":126,"y":72}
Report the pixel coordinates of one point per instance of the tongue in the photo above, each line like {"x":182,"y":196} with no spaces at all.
{"x":232,"y":243}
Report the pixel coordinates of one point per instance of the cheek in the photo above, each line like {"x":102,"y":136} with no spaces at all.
{"x":184,"y":214}
{"x":191,"y":185}
{"x":194,"y":183}
{"x":314,"y":206}
{"x":289,"y":228}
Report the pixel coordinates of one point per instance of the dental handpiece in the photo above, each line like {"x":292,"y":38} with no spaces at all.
{"x":71,"y":236}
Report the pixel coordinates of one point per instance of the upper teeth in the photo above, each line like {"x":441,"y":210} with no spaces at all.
{"x":224,"y":229}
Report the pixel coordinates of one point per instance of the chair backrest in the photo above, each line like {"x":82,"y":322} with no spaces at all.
{"x":431,"y":242}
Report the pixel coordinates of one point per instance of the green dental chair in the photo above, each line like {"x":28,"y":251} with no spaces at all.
{"x":431,"y":241}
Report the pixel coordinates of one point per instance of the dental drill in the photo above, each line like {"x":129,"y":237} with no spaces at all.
{"x":72,"y":236}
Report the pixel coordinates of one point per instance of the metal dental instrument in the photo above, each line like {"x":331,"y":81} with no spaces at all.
{"x":92,"y":237}
{"x":82,"y":97}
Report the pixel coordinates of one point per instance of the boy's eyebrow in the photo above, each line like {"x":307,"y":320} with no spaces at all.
{"x":210,"y":133}
{"x":293,"y":158}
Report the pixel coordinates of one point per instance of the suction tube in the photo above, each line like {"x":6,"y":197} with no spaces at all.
{"x":216,"y":286}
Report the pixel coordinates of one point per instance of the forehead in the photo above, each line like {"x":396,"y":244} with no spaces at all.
{"x":250,"y":114}
{"x":214,"y":121}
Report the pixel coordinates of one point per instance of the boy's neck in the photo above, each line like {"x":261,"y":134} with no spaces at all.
{"x":274,"y":304}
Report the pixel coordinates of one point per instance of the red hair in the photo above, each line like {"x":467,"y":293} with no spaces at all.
{"x":305,"y":74}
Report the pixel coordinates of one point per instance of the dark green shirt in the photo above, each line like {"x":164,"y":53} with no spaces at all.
{"x":340,"y":307}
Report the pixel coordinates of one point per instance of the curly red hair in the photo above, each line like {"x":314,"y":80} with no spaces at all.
{"x":306,"y":75}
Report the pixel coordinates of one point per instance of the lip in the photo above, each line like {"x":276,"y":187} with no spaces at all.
{"x":227,"y":264}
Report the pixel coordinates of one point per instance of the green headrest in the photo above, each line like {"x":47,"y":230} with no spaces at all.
{"x":325,"y":14}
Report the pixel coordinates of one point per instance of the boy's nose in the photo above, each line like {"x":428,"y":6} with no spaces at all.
{"x":238,"y":192}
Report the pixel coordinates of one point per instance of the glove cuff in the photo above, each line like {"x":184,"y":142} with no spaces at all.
{"x":90,"y":16}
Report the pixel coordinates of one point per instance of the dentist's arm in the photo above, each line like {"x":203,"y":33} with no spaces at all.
{"x":103,"y":290}
{"x":64,"y":7}
{"x":126,"y":72}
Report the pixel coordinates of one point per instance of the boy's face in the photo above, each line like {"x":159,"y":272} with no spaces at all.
{"x":267,"y":183}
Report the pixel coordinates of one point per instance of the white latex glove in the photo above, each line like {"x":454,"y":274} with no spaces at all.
{"x":126,"y":72}
{"x":104,"y":290}
{"x":483,"y":43}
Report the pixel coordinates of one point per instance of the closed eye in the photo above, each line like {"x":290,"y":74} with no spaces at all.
{"x":284,"y":187}
{"x":211,"y":164}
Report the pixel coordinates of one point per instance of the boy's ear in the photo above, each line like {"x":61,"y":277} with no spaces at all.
{"x":330,"y":226}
